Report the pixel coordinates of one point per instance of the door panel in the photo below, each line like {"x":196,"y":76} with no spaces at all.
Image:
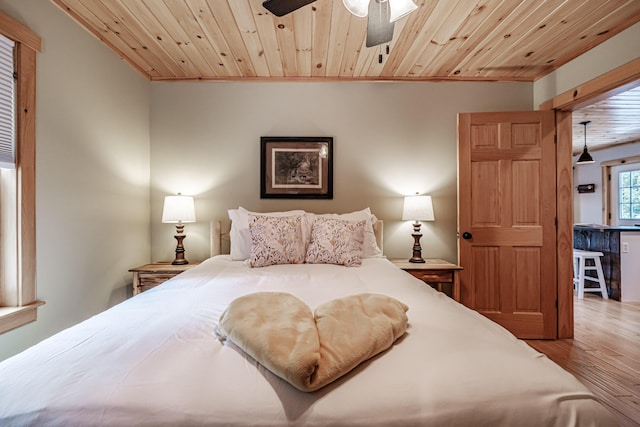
{"x":526,"y":204}
{"x":485,"y":259}
{"x":527,"y":284}
{"x":507,"y":200}
{"x":486,"y":181}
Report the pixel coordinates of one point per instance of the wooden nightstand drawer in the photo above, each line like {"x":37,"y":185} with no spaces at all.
{"x":433,"y":276}
{"x":440,"y":274}
{"x":150,"y":275}
{"x":151,"y":279}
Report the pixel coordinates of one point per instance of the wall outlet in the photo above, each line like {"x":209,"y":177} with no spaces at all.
{"x":625,"y":247}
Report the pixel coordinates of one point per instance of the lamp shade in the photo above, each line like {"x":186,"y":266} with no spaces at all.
{"x":585,"y":157}
{"x":359,"y":8}
{"x":417,"y":208}
{"x":400,"y":9}
{"x":178,"y":209}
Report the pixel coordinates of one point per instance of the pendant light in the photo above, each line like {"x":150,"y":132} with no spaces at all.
{"x":585,"y":157}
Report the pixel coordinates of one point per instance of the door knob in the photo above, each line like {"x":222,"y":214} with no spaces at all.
{"x":467,"y":236}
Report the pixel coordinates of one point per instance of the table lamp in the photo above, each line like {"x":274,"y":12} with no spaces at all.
{"x":179,"y":210}
{"x":417,"y":208}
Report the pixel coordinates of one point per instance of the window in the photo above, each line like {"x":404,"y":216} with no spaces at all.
{"x":629,"y":194}
{"x":7,"y":103}
{"x":18,"y":302}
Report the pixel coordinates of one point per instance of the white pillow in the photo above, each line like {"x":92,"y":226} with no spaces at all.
{"x":239,"y":234}
{"x":336,"y":241}
{"x":276,"y":240}
{"x":370,"y":248}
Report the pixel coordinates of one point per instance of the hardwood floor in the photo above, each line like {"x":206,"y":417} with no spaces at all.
{"x":604,"y":354}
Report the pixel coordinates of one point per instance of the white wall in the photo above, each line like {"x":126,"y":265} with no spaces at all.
{"x":587,"y":207}
{"x":391,"y":139}
{"x":630,"y":267}
{"x":92,"y":178}
{"x":620,"y":49}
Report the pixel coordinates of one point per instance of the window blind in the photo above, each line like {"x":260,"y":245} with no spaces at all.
{"x":7,"y":104}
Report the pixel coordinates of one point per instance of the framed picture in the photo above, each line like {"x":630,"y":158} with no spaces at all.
{"x":296,"y":167}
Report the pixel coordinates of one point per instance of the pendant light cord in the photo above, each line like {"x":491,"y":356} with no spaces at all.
{"x":585,"y":123}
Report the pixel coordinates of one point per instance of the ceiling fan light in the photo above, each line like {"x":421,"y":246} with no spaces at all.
{"x":359,"y":8}
{"x":379,"y":28}
{"x":400,"y":9}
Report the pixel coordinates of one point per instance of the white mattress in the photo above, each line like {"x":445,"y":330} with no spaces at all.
{"x":154,"y":360}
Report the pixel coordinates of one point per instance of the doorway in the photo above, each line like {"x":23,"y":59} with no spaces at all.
{"x":616,"y":81}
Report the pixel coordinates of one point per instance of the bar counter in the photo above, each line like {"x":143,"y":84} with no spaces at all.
{"x":605,"y":239}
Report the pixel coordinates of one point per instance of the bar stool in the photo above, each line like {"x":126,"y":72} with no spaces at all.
{"x":580,"y":258}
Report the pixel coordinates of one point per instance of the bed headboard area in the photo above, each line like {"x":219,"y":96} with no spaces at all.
{"x":221,"y":240}
{"x":220,"y":237}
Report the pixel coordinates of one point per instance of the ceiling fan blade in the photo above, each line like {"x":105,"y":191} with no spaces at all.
{"x":282,"y":7}
{"x":379,"y":29}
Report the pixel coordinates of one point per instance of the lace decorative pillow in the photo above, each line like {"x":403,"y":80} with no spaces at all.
{"x":276,"y":240}
{"x":336,"y":241}
{"x":370,"y":248}
{"x":239,"y":234}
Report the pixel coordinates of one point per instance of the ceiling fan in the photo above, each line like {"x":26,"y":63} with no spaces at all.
{"x":283,"y":7}
{"x":382,"y":14}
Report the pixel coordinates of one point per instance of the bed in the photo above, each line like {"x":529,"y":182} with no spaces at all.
{"x":451,"y":367}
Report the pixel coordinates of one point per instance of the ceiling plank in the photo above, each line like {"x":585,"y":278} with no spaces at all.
{"x":138,"y":20}
{"x":321,"y":27}
{"x":267,"y":32}
{"x":443,"y":37}
{"x":252,"y":54}
{"x":219,"y":53}
{"x":480,"y":22}
{"x":508,"y":35}
{"x":286,"y":44}
{"x":337,"y":36}
{"x":302,"y":21}
{"x":179,"y":35}
{"x":353,"y":45}
{"x":416,"y":36}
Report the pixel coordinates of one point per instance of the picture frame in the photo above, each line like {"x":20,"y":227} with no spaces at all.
{"x":296,"y":167}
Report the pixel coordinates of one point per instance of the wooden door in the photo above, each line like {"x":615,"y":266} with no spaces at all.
{"x":507,"y":219}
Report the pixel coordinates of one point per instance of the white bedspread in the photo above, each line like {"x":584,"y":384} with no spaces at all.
{"x":155,"y":360}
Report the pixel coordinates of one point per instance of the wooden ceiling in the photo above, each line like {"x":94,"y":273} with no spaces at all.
{"x":466,"y":40}
{"x":615,"y":120}
{"x":505,"y":40}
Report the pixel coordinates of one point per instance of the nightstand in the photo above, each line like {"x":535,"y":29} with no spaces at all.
{"x":437,"y":273}
{"x":149,"y":275}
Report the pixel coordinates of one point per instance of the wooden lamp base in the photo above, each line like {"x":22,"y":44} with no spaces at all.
{"x":180,"y":259}
{"x":417,"y":249}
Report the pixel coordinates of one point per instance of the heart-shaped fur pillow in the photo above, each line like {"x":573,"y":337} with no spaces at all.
{"x":310,"y":351}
